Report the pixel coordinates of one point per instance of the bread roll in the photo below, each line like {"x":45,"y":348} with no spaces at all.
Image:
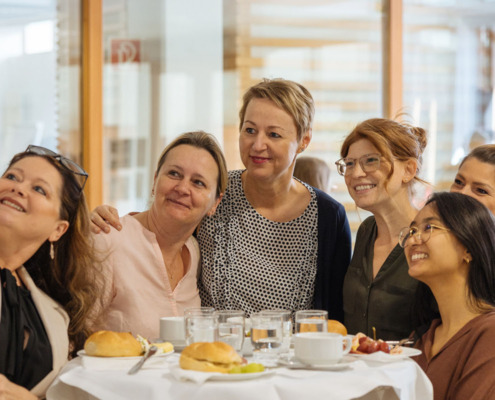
{"x":209,"y":357}
{"x":336,"y":327}
{"x":112,"y":344}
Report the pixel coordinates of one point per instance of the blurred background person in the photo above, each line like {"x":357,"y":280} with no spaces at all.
{"x":151,"y":264}
{"x":449,"y":248}
{"x":476,"y":176}
{"x":47,"y":273}
{"x":314,"y":172}
{"x":380,"y":162}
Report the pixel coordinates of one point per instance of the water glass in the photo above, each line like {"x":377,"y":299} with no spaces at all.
{"x":231,"y":328}
{"x":311,"y":321}
{"x":286,"y":316}
{"x":266,"y":337}
{"x":201,"y":326}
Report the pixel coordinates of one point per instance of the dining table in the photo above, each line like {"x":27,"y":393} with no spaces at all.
{"x":382,"y":377}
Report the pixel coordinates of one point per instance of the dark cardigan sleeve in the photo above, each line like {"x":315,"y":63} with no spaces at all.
{"x":334,"y":255}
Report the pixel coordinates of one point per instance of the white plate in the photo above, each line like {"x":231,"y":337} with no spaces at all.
{"x":385,"y":357}
{"x":118,"y":362}
{"x":293,"y":363}
{"x":240,"y":377}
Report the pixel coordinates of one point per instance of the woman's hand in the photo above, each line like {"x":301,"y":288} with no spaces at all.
{"x":11,"y":391}
{"x":102,"y":217}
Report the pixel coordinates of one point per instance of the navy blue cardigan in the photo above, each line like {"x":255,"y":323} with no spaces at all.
{"x":334,"y":255}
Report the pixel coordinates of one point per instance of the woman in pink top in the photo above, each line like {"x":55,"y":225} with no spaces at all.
{"x":450,"y":247}
{"x":151,"y":263}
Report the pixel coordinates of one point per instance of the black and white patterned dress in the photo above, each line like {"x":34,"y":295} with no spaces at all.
{"x":252,"y":263}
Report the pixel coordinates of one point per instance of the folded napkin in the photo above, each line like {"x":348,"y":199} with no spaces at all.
{"x":190,"y":375}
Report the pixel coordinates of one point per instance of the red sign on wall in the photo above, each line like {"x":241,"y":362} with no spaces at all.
{"x":125,"y":51}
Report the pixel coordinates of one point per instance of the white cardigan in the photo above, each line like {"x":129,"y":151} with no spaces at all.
{"x":56,"y":321}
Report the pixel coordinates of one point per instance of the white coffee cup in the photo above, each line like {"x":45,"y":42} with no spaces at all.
{"x":321,"y":348}
{"x":172,"y":329}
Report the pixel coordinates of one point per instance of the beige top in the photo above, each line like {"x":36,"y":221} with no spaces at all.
{"x":56,"y":321}
{"x":137,"y":292}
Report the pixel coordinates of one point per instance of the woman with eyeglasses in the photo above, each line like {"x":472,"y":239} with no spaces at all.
{"x":274,"y":242}
{"x":46,"y":268}
{"x":449,"y":247}
{"x":476,"y":176}
{"x":380,"y":162}
{"x":151,"y":264}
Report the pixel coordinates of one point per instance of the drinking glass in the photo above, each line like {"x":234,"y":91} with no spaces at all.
{"x":311,"y":321}
{"x":231,"y":328}
{"x":201,"y":326}
{"x":266,"y":337}
{"x":286,"y":316}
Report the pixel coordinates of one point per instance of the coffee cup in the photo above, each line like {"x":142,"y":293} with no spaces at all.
{"x":321,"y":348}
{"x":172,"y":329}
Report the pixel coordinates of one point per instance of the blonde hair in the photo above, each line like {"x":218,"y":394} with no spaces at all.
{"x":205,"y":141}
{"x":313,"y":171}
{"x":290,"y":96}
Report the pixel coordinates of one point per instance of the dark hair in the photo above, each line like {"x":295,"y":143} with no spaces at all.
{"x":70,"y":277}
{"x":484,"y":153}
{"x":205,"y":141}
{"x":394,"y":140}
{"x":474,"y":226}
{"x":290,"y":96}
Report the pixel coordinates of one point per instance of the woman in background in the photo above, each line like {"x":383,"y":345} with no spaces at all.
{"x":273,"y":242}
{"x":47,"y":273}
{"x":476,"y":176}
{"x":449,"y":248}
{"x":152,"y":263}
{"x":314,"y":172}
{"x":381,"y":161}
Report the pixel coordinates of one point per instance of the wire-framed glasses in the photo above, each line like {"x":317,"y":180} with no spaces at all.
{"x":64,"y":161}
{"x":422,"y":232}
{"x":368,"y":163}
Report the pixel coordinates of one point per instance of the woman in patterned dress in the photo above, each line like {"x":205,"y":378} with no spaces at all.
{"x":274,"y":242}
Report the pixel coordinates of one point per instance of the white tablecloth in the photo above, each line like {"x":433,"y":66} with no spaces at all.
{"x":364,"y":380}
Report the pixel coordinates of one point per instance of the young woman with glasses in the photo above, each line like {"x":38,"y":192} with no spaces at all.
{"x":449,"y":247}
{"x":380,"y":162}
{"x":46,"y":269}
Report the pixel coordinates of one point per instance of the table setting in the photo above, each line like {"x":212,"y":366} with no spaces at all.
{"x":311,"y":363}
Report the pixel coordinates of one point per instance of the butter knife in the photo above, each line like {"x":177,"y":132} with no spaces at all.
{"x":152,"y":350}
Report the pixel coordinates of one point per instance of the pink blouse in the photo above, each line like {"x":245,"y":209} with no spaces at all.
{"x":137,"y":290}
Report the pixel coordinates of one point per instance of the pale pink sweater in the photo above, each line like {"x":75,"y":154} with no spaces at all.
{"x":137,"y":292}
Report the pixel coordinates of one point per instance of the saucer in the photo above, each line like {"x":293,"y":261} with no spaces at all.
{"x":293,"y":363}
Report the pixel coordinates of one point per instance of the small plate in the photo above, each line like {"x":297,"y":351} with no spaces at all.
{"x":293,"y":363}
{"x":386,"y":357}
{"x":94,"y":362}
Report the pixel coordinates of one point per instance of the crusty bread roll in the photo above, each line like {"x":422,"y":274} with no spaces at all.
{"x":336,"y":327}
{"x":112,"y":344}
{"x":209,"y":357}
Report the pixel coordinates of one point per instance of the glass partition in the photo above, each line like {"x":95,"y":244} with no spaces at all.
{"x":39,"y":77}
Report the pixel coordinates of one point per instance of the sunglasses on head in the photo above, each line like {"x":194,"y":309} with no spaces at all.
{"x":64,"y":161}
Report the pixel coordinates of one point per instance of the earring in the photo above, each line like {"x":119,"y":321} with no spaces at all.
{"x":52,"y":251}
{"x":467,"y":260}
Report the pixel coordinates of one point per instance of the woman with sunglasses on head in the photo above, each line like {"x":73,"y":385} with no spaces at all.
{"x":449,"y":247}
{"x":151,"y":264}
{"x":381,"y":160}
{"x":476,"y":176}
{"x":46,"y":267}
{"x":274,"y":241}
